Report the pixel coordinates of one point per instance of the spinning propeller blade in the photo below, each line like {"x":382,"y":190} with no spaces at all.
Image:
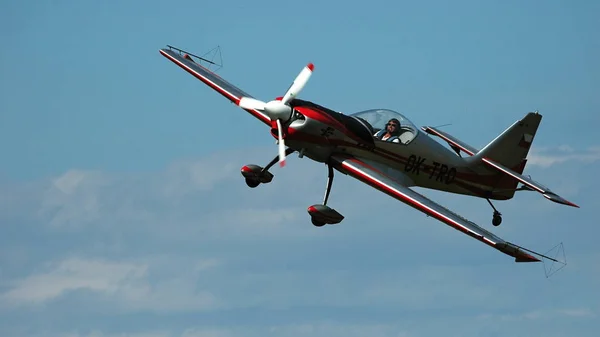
{"x":280,"y":111}
{"x":298,"y":83}
{"x":281,"y":145}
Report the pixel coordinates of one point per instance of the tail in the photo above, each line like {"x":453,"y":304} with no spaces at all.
{"x":510,"y":150}
{"x":511,"y":147}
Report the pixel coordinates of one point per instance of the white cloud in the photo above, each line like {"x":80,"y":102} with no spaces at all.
{"x":546,"y":157}
{"x":346,"y":330}
{"x":162,"y":224}
{"x":78,"y":199}
{"x":74,"y":274}
{"x":125,"y":283}
{"x":97,"y":333}
{"x":540,"y":314}
{"x":188,"y":176}
{"x":70,"y":181}
{"x":259,"y":222}
{"x":208,"y":332}
{"x":72,"y":199}
{"x":322,"y":329}
{"x":580,"y":312}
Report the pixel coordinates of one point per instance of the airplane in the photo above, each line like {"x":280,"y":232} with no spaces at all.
{"x":355,"y":145}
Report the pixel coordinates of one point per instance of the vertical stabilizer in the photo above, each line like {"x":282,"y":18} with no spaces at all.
{"x":511,"y":147}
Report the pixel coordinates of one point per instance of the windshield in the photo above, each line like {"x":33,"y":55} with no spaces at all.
{"x":379,"y":118}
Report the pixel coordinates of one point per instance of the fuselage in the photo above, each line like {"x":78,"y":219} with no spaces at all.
{"x":317,"y":133}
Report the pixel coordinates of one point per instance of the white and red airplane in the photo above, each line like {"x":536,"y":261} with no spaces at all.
{"x":385,"y":150}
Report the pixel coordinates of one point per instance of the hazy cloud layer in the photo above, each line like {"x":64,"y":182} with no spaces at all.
{"x":547,"y":157}
{"x":192,"y":251}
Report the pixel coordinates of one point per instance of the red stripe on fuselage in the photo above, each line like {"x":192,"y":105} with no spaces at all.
{"x":294,"y":134}
{"x":322,"y":117}
{"x":463,"y":179}
{"x":325,"y":118}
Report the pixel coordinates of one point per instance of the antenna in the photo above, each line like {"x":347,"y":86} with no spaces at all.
{"x":440,"y":126}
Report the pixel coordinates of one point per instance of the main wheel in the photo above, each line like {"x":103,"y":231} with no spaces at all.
{"x":496,"y":220}
{"x":317,"y":222}
{"x":252,"y":183}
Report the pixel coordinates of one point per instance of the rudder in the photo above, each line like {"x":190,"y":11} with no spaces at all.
{"x":511,"y":147}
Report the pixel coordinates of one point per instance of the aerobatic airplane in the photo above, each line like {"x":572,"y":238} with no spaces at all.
{"x":385,"y":150}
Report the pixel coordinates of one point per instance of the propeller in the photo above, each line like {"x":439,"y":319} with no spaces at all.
{"x":279,"y":111}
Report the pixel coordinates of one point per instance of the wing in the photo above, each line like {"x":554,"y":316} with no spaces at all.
{"x":226,"y":89}
{"x":373,"y":176}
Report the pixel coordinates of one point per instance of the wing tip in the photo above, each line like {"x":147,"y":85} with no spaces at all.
{"x":516,"y":251}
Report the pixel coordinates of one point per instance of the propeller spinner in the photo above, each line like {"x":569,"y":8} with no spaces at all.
{"x":279,"y":110}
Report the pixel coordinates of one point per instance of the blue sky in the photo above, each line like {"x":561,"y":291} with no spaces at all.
{"x":123,"y":212}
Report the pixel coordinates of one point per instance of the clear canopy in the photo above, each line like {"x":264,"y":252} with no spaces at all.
{"x":378,"y":118}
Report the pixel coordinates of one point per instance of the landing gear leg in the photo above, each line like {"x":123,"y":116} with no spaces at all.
{"x":329,"y":184}
{"x":256,"y":175}
{"x":322,"y":214}
{"x":497,"y":216}
{"x":288,"y":151}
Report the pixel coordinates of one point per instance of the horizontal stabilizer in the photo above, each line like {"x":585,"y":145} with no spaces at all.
{"x":454,"y":143}
{"x":545,"y":191}
{"x":558,"y":199}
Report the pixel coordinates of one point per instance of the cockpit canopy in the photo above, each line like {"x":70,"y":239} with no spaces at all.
{"x":378,"y":119}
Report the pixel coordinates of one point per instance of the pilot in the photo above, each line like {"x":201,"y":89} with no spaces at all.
{"x":391,"y":131}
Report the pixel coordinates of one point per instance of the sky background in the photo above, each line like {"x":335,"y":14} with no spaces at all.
{"x":123,"y":212}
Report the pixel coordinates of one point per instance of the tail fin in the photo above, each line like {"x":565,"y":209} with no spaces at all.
{"x":510,"y":150}
{"x":511,"y":147}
